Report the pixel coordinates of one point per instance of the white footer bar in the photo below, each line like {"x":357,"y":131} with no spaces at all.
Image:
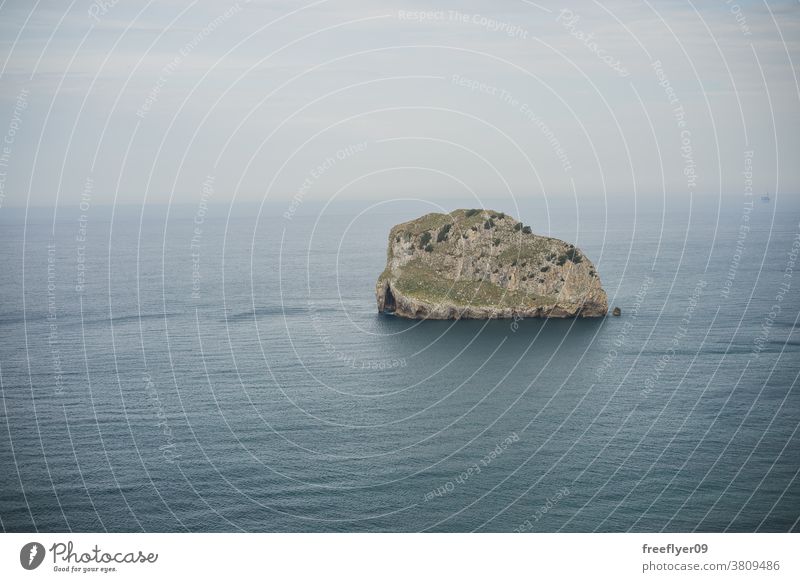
{"x":403,"y":557}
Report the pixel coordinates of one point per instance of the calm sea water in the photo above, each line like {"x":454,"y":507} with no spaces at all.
{"x":226,"y":370}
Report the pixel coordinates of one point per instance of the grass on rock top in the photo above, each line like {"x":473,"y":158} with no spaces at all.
{"x":436,"y":220}
{"x":432,"y":221}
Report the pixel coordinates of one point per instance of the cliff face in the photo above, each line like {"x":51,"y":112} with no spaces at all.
{"x":481,"y":264}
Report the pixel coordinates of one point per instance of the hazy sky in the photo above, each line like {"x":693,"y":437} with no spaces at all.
{"x":134,"y":101}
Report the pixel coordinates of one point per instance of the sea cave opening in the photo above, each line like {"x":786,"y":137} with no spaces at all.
{"x":388,"y":301}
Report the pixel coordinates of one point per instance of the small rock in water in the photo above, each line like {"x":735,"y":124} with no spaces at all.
{"x":617,"y":312}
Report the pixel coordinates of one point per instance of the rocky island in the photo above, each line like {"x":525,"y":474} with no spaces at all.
{"x":482,"y":264}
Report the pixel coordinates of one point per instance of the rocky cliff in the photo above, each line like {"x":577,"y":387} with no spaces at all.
{"x":481,"y":264}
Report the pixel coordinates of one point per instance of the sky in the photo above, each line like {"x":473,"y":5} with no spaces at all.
{"x":125,"y":102}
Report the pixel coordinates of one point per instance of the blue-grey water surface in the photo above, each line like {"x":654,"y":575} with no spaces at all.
{"x":225,"y":369}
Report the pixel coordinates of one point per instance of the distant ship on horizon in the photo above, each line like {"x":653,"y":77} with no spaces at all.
{"x":765,"y":197}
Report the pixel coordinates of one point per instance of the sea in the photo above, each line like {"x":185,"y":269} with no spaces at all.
{"x":221,"y":367}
